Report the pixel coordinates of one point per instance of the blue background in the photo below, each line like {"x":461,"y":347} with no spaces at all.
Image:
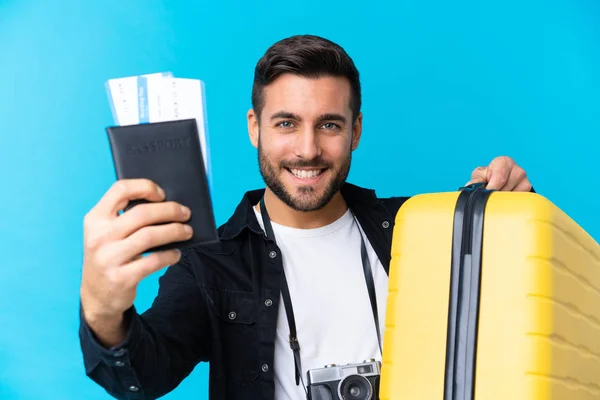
{"x":447,"y":86}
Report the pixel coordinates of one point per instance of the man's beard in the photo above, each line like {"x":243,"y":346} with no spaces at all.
{"x":301,"y":201}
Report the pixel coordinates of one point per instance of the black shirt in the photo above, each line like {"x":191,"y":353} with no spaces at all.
{"x":218,"y":304}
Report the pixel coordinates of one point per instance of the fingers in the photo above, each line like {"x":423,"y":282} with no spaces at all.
{"x":479,"y":174}
{"x":99,"y":227}
{"x":515,"y":176}
{"x":502,"y":174}
{"x":523,"y":186}
{"x":142,"y":267}
{"x":123,"y":191}
{"x":499,"y":173}
{"x":117,"y":279}
{"x":139,"y":242}
{"x":149,"y":214}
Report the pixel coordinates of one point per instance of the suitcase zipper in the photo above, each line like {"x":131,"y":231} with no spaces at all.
{"x":467,"y":233}
{"x":463,"y":306}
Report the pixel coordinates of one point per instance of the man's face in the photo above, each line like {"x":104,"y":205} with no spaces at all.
{"x":305,"y":139}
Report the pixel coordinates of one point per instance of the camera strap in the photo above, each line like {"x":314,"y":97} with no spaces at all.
{"x":287,"y":300}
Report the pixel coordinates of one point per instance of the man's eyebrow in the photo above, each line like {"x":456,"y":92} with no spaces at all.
{"x":322,"y":117}
{"x":285,"y":115}
{"x":332,"y":117}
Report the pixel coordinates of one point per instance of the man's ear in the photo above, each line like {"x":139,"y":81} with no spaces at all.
{"x":356,"y":131}
{"x":253,"y":127}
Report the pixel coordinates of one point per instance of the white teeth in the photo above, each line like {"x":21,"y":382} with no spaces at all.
{"x":304,"y":174}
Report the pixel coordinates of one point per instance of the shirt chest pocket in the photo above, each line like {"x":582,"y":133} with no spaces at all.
{"x":237,"y":331}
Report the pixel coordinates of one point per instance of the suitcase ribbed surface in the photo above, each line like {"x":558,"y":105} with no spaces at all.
{"x":539,"y":323}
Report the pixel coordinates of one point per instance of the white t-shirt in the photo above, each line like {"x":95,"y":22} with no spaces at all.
{"x":330,"y":300}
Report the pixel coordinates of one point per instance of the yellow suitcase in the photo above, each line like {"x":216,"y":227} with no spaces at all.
{"x":492,"y":295}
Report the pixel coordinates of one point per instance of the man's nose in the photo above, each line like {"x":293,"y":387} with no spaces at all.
{"x":307,"y":144}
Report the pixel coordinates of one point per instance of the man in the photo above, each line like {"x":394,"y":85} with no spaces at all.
{"x":221,"y":303}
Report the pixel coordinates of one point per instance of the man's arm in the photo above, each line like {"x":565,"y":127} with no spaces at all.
{"x":162,"y":346}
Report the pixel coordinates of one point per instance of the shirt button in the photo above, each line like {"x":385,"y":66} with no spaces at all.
{"x":133,"y":388}
{"x":120,"y":353}
{"x":273,"y":254}
{"x":385,"y":224}
{"x":119,"y":364}
{"x":265,"y":367}
{"x":268,"y":302}
{"x":232,"y":315}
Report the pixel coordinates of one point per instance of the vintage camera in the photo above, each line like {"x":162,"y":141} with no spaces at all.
{"x":358,"y":381}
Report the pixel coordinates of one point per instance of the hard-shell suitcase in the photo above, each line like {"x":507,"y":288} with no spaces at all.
{"x":492,"y":295}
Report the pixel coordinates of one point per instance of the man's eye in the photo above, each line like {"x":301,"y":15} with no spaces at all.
{"x":285,"y":124}
{"x":331,"y":125}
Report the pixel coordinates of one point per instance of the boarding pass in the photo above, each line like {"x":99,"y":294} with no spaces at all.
{"x":160,"y":97}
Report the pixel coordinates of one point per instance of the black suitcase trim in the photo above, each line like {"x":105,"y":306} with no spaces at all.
{"x":463,"y":306}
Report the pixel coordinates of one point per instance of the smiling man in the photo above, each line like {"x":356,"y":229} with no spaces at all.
{"x":305,"y":135}
{"x":299,"y":277}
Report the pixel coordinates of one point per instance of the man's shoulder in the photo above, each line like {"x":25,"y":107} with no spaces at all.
{"x":393,"y":203}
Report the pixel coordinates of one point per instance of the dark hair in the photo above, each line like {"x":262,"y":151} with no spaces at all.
{"x":308,"y":56}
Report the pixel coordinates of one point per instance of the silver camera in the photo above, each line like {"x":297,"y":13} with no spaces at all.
{"x":358,"y":381}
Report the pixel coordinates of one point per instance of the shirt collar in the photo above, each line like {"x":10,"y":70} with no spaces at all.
{"x":244,"y":217}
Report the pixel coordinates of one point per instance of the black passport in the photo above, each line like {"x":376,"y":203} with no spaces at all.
{"x":169,"y":154}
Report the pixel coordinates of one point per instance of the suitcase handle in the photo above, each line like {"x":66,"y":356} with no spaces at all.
{"x":474,"y":186}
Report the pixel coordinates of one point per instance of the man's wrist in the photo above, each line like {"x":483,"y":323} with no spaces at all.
{"x":109,"y":330}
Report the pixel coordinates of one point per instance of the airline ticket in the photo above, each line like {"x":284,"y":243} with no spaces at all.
{"x":160,"y":97}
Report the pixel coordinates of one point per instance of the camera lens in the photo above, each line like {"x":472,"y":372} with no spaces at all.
{"x":355,"y":387}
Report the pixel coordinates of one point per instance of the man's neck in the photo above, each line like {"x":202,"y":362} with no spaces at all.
{"x":280,"y":213}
